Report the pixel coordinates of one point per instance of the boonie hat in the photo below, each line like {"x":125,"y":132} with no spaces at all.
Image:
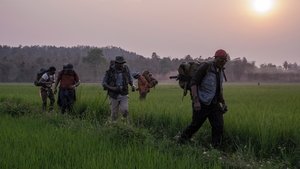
{"x":120,"y":59}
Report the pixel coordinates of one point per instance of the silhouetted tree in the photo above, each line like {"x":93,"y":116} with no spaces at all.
{"x":285,"y":65}
{"x":96,"y":60}
{"x":20,"y":64}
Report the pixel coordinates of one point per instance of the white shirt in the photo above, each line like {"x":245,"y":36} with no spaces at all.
{"x":48,"y":78}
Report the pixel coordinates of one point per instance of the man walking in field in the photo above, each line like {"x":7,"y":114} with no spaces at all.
{"x":68,"y":80}
{"x":46,"y":82}
{"x":116,"y":81}
{"x":143,"y":85}
{"x":207,"y":99}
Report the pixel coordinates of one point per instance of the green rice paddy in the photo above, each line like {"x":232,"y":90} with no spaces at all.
{"x":261,"y":130}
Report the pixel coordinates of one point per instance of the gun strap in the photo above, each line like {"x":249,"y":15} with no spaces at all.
{"x":224,"y":75}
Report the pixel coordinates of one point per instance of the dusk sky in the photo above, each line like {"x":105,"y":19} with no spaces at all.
{"x":265,"y":33}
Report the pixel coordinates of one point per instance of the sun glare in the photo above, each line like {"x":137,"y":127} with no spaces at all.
{"x":262,"y":6}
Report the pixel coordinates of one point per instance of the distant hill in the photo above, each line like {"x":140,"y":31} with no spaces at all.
{"x":20,"y":64}
{"x":111,"y":51}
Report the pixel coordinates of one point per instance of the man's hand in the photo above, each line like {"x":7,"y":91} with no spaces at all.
{"x":75,"y":85}
{"x":115,"y":89}
{"x":108,"y":87}
{"x":195,"y":98}
{"x":223,"y":107}
{"x":133,"y":88}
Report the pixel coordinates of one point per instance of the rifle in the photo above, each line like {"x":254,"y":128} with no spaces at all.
{"x":174,"y":77}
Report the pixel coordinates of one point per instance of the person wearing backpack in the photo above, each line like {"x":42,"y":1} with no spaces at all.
{"x":68,"y":80}
{"x":143,"y":85}
{"x":150,"y":79}
{"x":46,"y":81}
{"x":116,"y":81}
{"x":207,"y":99}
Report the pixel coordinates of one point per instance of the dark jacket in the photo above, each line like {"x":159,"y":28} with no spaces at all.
{"x":110,"y":79}
{"x":206,"y":79}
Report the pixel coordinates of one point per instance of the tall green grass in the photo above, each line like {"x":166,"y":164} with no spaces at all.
{"x":261,"y":130}
{"x":38,"y":143}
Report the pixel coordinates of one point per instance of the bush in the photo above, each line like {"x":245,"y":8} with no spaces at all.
{"x":14,"y":108}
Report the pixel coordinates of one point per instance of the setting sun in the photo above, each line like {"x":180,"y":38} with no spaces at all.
{"x":263,"y":6}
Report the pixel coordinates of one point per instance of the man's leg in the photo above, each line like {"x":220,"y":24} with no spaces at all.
{"x":62,"y":100}
{"x":70,"y":96}
{"x":44,"y":98}
{"x":52,"y":99}
{"x":124,"y":106}
{"x":217,"y":123}
{"x":198,"y":119}
{"x":114,"y":108}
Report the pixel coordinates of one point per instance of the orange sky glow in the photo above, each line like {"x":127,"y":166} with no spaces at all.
{"x":171,"y":28}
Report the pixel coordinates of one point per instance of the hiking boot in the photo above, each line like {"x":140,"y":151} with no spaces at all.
{"x":51,"y":110}
{"x":180,"y":140}
{"x":110,"y":122}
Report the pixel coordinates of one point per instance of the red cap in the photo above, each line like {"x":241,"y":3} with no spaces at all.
{"x":221,"y":53}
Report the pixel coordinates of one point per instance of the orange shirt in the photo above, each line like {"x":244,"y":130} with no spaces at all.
{"x":67,"y":79}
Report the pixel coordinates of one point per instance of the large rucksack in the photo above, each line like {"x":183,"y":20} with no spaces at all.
{"x":187,"y":70}
{"x":39,"y":74}
{"x":150,"y":79}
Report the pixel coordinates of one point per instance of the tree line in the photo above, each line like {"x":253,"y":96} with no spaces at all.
{"x":20,"y":64}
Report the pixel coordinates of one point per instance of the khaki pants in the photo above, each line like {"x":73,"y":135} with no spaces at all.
{"x":119,"y":105}
{"x":45,"y":94}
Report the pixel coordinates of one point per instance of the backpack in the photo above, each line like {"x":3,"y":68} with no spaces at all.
{"x":187,"y":70}
{"x":39,"y":74}
{"x":150,"y":79}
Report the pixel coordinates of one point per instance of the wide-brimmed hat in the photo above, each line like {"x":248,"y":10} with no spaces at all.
{"x":120,"y":59}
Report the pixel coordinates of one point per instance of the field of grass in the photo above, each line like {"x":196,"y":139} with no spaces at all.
{"x":261,"y":130}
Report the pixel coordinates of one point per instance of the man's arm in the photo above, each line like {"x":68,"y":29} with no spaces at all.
{"x":43,"y":80}
{"x":221,"y":97}
{"x":195,"y":98}
{"x":195,"y":81}
{"x":105,"y":83}
{"x":77,"y":81}
{"x":130,"y":80}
